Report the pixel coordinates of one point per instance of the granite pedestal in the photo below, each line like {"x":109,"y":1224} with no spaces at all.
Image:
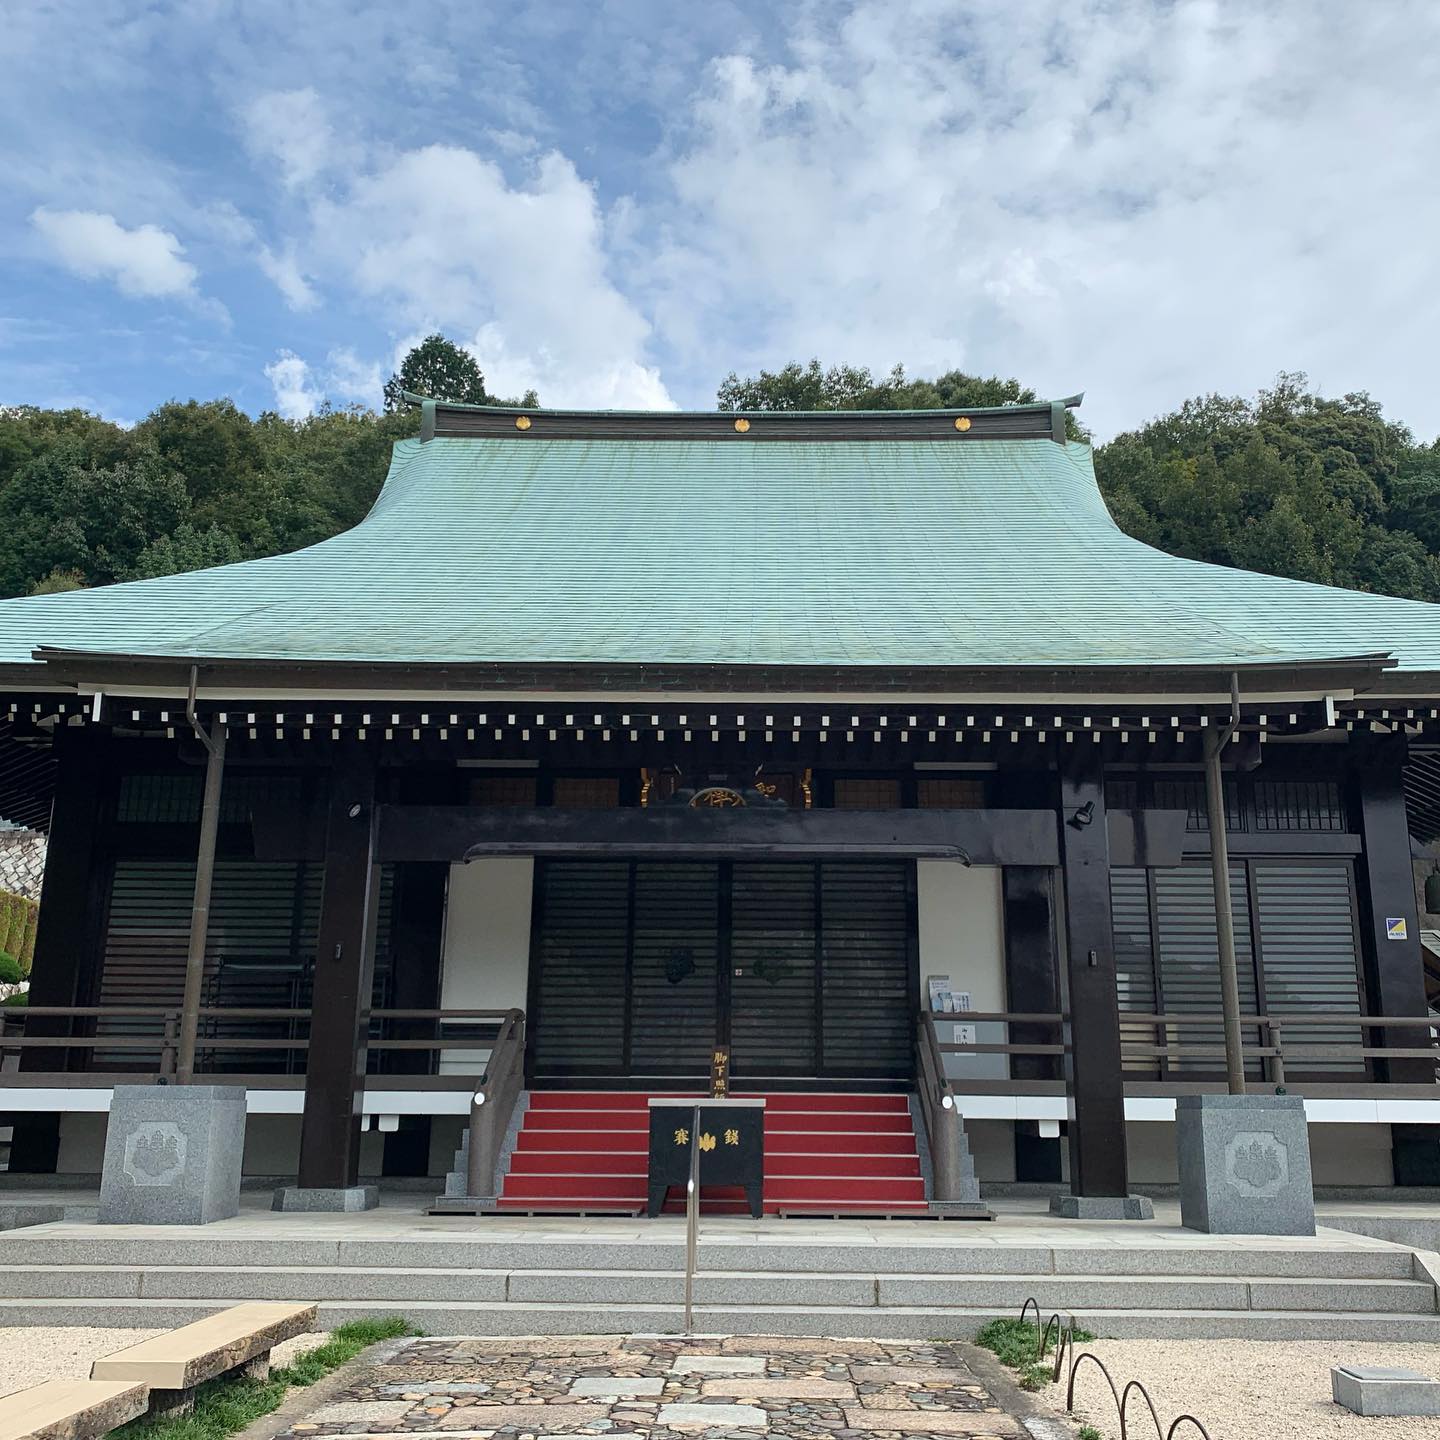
{"x":1378,"y":1390}
{"x":1102,"y":1207}
{"x":345,"y":1198}
{"x":1244,"y":1164}
{"x":173,"y":1155}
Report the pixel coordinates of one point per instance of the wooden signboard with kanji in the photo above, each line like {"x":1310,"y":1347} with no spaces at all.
{"x":730,"y":1138}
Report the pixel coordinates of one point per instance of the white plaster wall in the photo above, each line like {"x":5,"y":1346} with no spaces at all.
{"x":486,"y":959}
{"x":962,"y":936}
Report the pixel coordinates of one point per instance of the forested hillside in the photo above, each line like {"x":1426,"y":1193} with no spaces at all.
{"x":1289,"y":482}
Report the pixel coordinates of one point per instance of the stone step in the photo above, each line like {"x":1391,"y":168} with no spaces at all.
{"x":758,"y":1290}
{"x":447,"y":1317}
{"x":482,"y":1248}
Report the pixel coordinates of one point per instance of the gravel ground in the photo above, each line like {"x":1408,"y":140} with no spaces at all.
{"x":30,"y":1354}
{"x":1244,"y":1389}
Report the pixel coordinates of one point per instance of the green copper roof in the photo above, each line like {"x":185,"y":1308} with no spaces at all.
{"x":854,"y":552}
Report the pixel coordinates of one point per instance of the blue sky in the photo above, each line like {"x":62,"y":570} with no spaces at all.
{"x":619,"y":202}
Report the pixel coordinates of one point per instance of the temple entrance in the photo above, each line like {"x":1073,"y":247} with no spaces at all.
{"x":804,"y":969}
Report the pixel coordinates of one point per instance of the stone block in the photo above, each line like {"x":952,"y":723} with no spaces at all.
{"x":362,"y":1412}
{"x":525,"y":1417}
{"x":713,"y":1416}
{"x":718,"y":1365}
{"x":616,"y":1387}
{"x":1102,"y":1207}
{"x":742,"y":1387}
{"x":73,"y":1409}
{"x":19,"y":1216}
{"x":173,"y":1155}
{"x":1378,"y":1390}
{"x":345,"y":1198}
{"x":1244,"y":1165}
{"x":989,"y":1423}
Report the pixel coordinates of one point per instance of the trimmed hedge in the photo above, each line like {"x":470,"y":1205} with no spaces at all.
{"x":18,"y":918}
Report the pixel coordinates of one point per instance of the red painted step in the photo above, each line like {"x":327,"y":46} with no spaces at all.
{"x":543,"y":1162}
{"x":830,"y":1153}
{"x":582,"y":1138}
{"x":893,"y":1166}
{"x":774,"y":1103}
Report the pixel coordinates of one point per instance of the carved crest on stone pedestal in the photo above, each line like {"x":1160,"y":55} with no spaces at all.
{"x":1257,"y":1164}
{"x":155,"y":1153}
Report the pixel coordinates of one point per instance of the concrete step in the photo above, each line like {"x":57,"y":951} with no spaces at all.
{"x":1005,"y":1293}
{"x":478,"y":1249}
{"x":448,"y":1317}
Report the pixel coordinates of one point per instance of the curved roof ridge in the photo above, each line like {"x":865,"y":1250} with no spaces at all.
{"x":1070,"y":402}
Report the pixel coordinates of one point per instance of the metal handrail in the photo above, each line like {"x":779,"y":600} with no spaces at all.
{"x":493,"y":1102}
{"x":692,"y":1221}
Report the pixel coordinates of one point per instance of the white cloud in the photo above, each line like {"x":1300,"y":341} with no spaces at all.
{"x":348,"y":377}
{"x":301,"y":388}
{"x":290,"y":129}
{"x":296,"y":396}
{"x":1142,"y":200}
{"x":283,"y":271}
{"x":146,"y":262}
{"x":441,"y":240}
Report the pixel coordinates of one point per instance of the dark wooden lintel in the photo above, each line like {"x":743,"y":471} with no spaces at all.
{"x":453,"y":832}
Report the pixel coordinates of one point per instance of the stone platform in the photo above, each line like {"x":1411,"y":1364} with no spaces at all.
{"x":497,"y":1275}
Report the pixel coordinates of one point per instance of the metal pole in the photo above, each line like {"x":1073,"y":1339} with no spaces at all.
{"x":692,"y":1221}
{"x":200,"y":911}
{"x":1215,"y":742}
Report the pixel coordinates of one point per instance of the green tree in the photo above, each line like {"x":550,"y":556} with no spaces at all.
{"x":211,"y":445}
{"x":27,"y":431}
{"x":62,"y":513}
{"x":1290,"y":483}
{"x":440,"y":369}
{"x":850,"y":387}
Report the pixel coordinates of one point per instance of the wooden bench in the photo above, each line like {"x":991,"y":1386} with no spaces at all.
{"x":71,"y":1409}
{"x":237,"y":1340}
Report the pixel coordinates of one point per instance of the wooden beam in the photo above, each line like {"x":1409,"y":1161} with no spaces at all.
{"x":451,"y":832}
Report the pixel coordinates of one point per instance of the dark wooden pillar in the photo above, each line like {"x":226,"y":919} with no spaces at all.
{"x":1032,"y":966}
{"x":344,"y":974}
{"x":417,"y":926}
{"x":1394,"y":973}
{"x":1032,"y":984}
{"x":1097,"y":1098}
{"x":66,"y":960}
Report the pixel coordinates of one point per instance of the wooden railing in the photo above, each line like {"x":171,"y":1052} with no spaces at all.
{"x":937,"y":1110}
{"x":1277,"y":1047}
{"x":1271,"y":1042}
{"x":16,"y":1035}
{"x":493,"y":1103}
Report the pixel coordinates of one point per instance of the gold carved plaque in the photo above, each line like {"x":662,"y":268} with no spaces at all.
{"x":716,"y":797}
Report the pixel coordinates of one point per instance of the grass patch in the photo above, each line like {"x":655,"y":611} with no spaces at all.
{"x":226,"y":1405}
{"x":1089,"y":1432}
{"x":1016,"y":1342}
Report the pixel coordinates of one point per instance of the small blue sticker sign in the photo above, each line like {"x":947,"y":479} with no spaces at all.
{"x":1396,"y":928}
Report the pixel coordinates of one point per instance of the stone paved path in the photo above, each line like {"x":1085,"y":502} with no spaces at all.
{"x":663,"y":1388}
